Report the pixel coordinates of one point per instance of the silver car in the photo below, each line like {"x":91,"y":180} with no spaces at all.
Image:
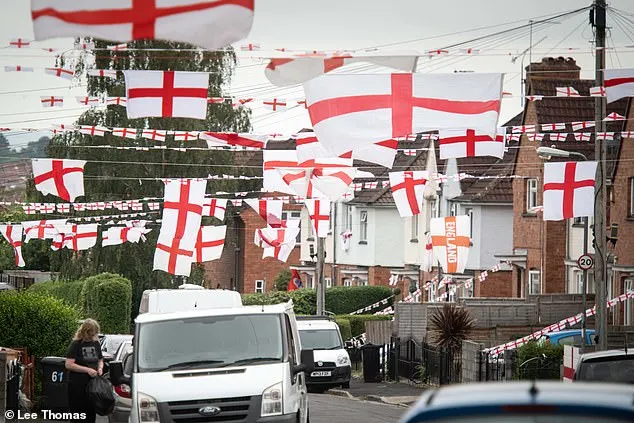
{"x":122,"y":393}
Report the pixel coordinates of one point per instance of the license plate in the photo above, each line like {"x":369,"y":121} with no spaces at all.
{"x":320,"y":374}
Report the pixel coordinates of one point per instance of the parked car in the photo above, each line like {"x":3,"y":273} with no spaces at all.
{"x":616,"y":366}
{"x":122,"y":392}
{"x":110,"y":344}
{"x":568,"y":337}
{"x":525,"y":402}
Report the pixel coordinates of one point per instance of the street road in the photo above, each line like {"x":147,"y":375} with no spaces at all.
{"x":326,"y":408}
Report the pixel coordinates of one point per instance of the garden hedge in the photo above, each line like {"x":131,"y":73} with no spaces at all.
{"x":541,"y":367}
{"x":113,"y":305}
{"x":69,"y":292}
{"x":344,"y":328}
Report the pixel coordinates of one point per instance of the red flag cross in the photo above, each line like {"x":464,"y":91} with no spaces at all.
{"x":409,"y":185}
{"x":402,"y":103}
{"x":183,"y":206}
{"x":16,"y":243}
{"x":57,"y":173}
{"x":318,"y":217}
{"x":168,"y":92}
{"x":275,"y":103}
{"x":142,"y":14}
{"x":200,"y":244}
{"x":470,"y":139}
{"x":19,"y":43}
{"x":213,"y":205}
{"x":52,"y":100}
{"x":568,"y":187}
{"x":75,"y":237}
{"x":270,"y":218}
{"x":60,"y":71}
{"x":452,"y":241}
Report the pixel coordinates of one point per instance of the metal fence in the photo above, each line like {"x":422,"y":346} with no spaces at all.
{"x":421,"y":362}
{"x":507,"y":367}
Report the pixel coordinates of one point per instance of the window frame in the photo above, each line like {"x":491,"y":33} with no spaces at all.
{"x":328,"y":282}
{"x":363,"y":226}
{"x":347,"y":282}
{"x":415,"y":227}
{"x":469,"y":212}
{"x":262,"y":288}
{"x":630,"y":211}
{"x":532,"y":273}
{"x":531,"y":191}
{"x":294,"y":215}
{"x":348,"y":217}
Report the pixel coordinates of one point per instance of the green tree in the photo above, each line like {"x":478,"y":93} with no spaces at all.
{"x":112,"y":174}
{"x":5,"y":150}
{"x":35,"y":149}
{"x":282,"y":279}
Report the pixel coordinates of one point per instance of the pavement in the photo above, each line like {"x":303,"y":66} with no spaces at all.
{"x":327,"y":409}
{"x":394,"y":393}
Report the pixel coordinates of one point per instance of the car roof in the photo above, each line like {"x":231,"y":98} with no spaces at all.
{"x":496,"y":397}
{"x":236,"y":311}
{"x":316,"y":324}
{"x":606,"y":353}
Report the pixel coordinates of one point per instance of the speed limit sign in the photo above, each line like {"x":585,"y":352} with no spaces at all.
{"x":585,"y":262}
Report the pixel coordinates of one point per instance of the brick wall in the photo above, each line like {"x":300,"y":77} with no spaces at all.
{"x":497,"y":284}
{"x":620,"y":209}
{"x":254,"y":266}
{"x":554,"y":276}
{"x":378,"y":275}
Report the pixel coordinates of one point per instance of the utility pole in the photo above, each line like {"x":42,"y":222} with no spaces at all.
{"x":319,"y":274}
{"x":600,"y":241}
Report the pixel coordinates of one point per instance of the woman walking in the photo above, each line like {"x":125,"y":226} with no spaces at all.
{"x":83,"y":361}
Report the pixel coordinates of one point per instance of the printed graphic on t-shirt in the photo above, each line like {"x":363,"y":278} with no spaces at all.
{"x":89,"y":353}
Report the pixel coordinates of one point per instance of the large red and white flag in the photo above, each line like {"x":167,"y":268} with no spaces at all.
{"x":408,"y":189}
{"x":182,"y":214}
{"x":224,"y":139}
{"x":13,"y":234}
{"x":277,"y":242}
{"x":381,"y":153}
{"x":349,"y":112}
{"x":119,"y":235}
{"x":269,"y":210}
{"x":61,"y":177}
{"x":210,"y":24}
{"x":450,"y":237}
{"x":618,"y":83}
{"x":293,"y":71}
{"x":569,"y":189}
{"x":457,"y":143}
{"x":166,"y":94}
{"x":319,"y":215}
{"x":41,"y":229}
{"x":209,"y":243}
{"x":215,"y":207}
{"x":75,"y":237}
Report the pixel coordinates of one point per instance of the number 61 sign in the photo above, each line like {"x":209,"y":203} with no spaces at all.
{"x":585,"y":262}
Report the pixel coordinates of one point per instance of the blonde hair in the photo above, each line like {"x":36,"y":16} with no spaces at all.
{"x":88,"y":331}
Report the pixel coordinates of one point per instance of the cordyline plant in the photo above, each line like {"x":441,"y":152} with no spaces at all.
{"x":450,"y":325}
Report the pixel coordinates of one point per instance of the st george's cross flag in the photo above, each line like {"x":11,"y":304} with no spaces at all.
{"x":457,"y":143}
{"x":319,"y":215}
{"x":619,"y":83}
{"x":450,"y":238}
{"x":215,"y":207}
{"x":408,"y":189}
{"x":302,"y":68}
{"x":119,"y":235}
{"x":41,"y":229}
{"x":232,"y":139}
{"x":211,"y":24}
{"x":166,"y":94}
{"x":75,"y":237}
{"x":210,"y":243}
{"x":277,"y":242}
{"x":349,"y":112}
{"x":182,"y":215}
{"x":269,"y":210}
{"x":61,"y":177}
{"x":569,"y":189}
{"x":13,"y":234}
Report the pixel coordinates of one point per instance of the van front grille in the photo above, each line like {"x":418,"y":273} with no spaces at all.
{"x":232,"y":410}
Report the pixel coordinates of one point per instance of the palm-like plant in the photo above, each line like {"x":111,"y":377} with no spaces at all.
{"x":450,"y":325}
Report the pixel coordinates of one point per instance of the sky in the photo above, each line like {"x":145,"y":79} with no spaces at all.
{"x":396,"y":25}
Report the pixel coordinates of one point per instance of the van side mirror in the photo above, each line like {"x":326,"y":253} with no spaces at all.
{"x":307,"y":359}
{"x":117,"y":377}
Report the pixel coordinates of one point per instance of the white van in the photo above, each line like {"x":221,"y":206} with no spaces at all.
{"x":187,"y":297}
{"x":240,"y":364}
{"x":332,"y":366}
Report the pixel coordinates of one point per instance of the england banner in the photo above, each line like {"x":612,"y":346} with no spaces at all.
{"x":166,"y":94}
{"x":450,"y":237}
{"x":619,"y":83}
{"x":349,"y":112}
{"x":457,"y":143}
{"x":182,"y":215}
{"x":293,"y":71}
{"x":61,"y":177}
{"x":569,"y":189}
{"x":211,"y":24}
{"x":209,"y":243}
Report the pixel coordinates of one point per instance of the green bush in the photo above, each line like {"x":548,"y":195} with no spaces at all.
{"x":304,"y":300}
{"x":113,"y":304}
{"x":538,"y":367}
{"x":282,"y":279}
{"x":357,"y":321}
{"x":88,"y":294}
{"x":69,"y":292}
{"x":346,"y":299}
{"x":41,"y":323}
{"x":344,"y":328}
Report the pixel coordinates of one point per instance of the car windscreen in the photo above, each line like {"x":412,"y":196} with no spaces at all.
{"x":619,"y":369}
{"x":320,"y":339}
{"x":210,"y":341}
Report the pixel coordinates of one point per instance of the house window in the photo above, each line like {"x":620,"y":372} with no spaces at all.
{"x":432,"y":292}
{"x":259,"y":285}
{"x":577,"y":221}
{"x":453,"y":209}
{"x":311,"y":231}
{"x":414,"y":237}
{"x":330,"y":222}
{"x":533,"y":282}
{"x":627,"y":305}
{"x":363,"y":226}
{"x":347,"y":282}
{"x":361,"y":282}
{"x":577,"y":282}
{"x":531,"y":195}
{"x":328,"y":282}
{"x":469,"y":212}
{"x":293,"y":215}
{"x":349,"y":218}
{"x":631,"y":208}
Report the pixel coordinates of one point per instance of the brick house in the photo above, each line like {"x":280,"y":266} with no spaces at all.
{"x":544,"y":253}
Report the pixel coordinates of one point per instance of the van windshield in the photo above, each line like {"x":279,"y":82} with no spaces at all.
{"x":210,"y":341}
{"x":322,"y":339}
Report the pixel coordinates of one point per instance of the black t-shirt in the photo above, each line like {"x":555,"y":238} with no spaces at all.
{"x":85,"y":354}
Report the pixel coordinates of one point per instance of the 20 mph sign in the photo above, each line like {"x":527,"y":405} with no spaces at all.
{"x":585,"y":262}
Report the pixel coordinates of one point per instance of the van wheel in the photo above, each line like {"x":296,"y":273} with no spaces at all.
{"x":345,"y":385}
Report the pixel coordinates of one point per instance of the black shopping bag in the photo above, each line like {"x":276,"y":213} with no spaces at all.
{"x":99,"y":391}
